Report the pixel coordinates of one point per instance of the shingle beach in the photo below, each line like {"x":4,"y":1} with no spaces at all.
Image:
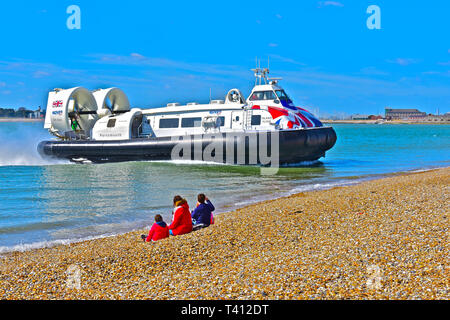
{"x":381,"y":239}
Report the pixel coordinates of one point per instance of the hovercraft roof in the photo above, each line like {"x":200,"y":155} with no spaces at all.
{"x":264,"y":87}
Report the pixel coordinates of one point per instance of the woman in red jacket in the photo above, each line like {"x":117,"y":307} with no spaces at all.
{"x":159,"y":230}
{"x":182,"y":221}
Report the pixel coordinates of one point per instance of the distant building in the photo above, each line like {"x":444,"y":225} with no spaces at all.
{"x":360,"y":117}
{"x":438,"y":118}
{"x":36,"y":114}
{"x":365,"y":117}
{"x":404,"y":114}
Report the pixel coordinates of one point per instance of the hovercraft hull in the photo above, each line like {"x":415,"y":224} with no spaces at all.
{"x":294,"y":146}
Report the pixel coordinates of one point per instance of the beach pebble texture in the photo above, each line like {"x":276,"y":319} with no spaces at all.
{"x":382,"y":239}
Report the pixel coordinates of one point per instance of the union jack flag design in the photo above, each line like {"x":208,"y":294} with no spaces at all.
{"x":57,"y":104}
{"x":291,"y":117}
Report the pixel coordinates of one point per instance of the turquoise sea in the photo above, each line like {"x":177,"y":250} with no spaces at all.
{"x":44,"y":203}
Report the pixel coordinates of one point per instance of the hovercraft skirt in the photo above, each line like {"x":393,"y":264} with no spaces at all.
{"x":294,"y":146}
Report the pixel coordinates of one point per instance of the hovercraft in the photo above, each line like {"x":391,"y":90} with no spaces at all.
{"x":264,"y":129}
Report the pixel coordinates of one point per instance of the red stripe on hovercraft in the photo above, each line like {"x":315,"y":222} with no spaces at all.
{"x":306,"y":120}
{"x":277,"y":112}
{"x":301,"y":122}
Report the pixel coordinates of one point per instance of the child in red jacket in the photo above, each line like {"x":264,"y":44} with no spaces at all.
{"x":159,"y":230}
{"x":182,"y":221}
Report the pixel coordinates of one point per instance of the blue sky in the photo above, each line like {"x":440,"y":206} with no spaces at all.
{"x":170,"y":51}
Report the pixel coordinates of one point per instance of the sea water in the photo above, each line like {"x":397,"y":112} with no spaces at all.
{"x":49,"y":202}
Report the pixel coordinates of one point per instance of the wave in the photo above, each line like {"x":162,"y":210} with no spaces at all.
{"x":303,"y":188}
{"x":190,"y":162}
{"x":19,"y":143}
{"x":23,"y":247}
{"x":314,"y":163}
{"x":423,"y":170}
{"x":49,"y":244}
{"x":325,"y":186}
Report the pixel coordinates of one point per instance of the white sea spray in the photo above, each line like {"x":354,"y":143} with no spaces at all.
{"x":18,"y":145}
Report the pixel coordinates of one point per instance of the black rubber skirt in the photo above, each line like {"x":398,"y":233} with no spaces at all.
{"x":248,"y":148}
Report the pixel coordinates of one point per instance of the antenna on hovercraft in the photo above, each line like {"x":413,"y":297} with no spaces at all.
{"x":261,"y":73}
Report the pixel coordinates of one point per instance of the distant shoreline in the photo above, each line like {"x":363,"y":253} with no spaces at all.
{"x":20,"y":120}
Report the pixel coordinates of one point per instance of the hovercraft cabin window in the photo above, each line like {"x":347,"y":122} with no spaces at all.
{"x":169,"y":123}
{"x":256,"y":120}
{"x":263,"y":95}
{"x":283,"y":96}
{"x":111,"y":123}
{"x":191,"y":122}
{"x":221,"y":121}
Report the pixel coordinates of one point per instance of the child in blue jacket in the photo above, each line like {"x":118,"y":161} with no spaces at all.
{"x":202,"y":215}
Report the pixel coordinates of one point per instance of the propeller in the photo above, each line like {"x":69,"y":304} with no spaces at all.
{"x":111,"y":101}
{"x":69,"y":107}
{"x":235,"y":96}
{"x":109,"y":104}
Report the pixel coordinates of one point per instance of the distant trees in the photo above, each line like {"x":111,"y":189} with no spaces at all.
{"x":7,"y":113}
{"x":11,"y":113}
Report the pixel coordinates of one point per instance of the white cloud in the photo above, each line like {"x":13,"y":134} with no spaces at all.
{"x":278,"y":16}
{"x":273,"y":45}
{"x":137,"y":56}
{"x":285,"y":59}
{"x":372,"y":71}
{"x":152,"y":62}
{"x":348,"y":85}
{"x":41,"y":74}
{"x":330,"y":3}
{"x":403,"y":61}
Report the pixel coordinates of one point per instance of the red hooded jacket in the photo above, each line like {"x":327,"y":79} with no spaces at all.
{"x":159,"y":231}
{"x":182,"y":221}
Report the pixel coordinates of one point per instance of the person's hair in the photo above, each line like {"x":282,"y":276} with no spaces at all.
{"x":176,"y":199}
{"x":158,"y":218}
{"x":201,"y":198}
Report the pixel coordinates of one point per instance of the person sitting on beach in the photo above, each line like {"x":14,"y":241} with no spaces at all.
{"x":159,"y":230}
{"x":202,"y":215}
{"x":182,"y":222}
